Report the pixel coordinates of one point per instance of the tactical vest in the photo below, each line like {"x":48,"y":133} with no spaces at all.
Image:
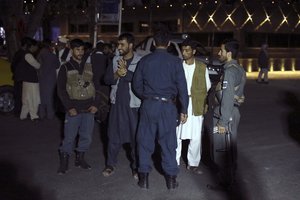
{"x":80,"y":86}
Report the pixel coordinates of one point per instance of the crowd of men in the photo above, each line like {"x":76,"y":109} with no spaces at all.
{"x":157,"y":97}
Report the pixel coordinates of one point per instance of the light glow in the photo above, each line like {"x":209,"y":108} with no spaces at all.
{"x":211,"y":18}
{"x":293,"y":62}
{"x":276,"y":64}
{"x":284,"y":20}
{"x":249,"y":16}
{"x":298,"y":21}
{"x":282,"y":66}
{"x":194,"y":20}
{"x":267,"y":19}
{"x":229,"y":18}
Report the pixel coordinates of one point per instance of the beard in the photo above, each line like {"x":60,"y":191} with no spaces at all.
{"x":124,"y":52}
{"x":222,"y":59}
{"x":78,"y":57}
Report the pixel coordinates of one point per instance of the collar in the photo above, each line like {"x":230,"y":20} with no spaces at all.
{"x":75,"y":63}
{"x":160,"y":50}
{"x":229,"y":63}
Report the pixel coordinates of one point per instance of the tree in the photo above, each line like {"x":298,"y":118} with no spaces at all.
{"x":17,"y":25}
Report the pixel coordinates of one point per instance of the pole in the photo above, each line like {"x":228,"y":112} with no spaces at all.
{"x":95,"y":25}
{"x":120,"y":18}
{"x":150,"y":18}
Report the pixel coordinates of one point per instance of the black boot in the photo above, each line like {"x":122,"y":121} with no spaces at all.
{"x":64,"y":162}
{"x":143,"y":180}
{"x":80,"y":162}
{"x":171,"y":182}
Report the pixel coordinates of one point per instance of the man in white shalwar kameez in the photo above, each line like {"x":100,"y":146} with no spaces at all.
{"x":198,"y":84}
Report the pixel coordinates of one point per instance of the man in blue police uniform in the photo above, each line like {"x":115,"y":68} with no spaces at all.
{"x":158,"y":80}
{"x":230,"y":95}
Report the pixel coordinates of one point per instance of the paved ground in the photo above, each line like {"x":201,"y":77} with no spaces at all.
{"x":269,"y":162}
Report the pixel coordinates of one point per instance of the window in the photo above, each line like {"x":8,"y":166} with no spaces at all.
{"x":83,"y":28}
{"x":275,"y":40}
{"x":109,"y":28}
{"x":255,"y":39}
{"x":79,"y":28}
{"x":208,"y":39}
{"x":127,"y":27}
{"x":144,"y":27}
{"x":294,"y":40}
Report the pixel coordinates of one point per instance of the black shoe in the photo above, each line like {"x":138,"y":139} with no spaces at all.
{"x":171,"y":182}
{"x":80,"y":162}
{"x":143,"y":180}
{"x":64,"y":162}
{"x":36,"y":119}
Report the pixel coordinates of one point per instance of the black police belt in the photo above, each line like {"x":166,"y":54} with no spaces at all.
{"x":162,"y":99}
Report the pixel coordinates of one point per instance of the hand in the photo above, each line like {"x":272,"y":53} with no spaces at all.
{"x":183,"y":118}
{"x":72,"y":112}
{"x":121,"y":72}
{"x":122,"y":63}
{"x":93,"y":109}
{"x":221,"y":129}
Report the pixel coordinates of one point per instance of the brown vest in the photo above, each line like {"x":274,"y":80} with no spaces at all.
{"x":199,"y":89}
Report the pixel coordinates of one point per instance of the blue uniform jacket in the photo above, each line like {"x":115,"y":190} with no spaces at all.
{"x":161,"y":74}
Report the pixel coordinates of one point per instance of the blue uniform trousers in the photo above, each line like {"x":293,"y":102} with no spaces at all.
{"x":157,"y":121}
{"x":81,"y":124}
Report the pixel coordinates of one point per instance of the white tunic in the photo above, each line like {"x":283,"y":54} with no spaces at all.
{"x":192,"y":128}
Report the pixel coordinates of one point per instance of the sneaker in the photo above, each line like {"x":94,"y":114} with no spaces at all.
{"x":135,"y":174}
{"x":108,"y":171}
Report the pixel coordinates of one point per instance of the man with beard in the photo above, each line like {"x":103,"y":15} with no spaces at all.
{"x":230,"y":95}
{"x":78,"y":89}
{"x":123,"y":117}
{"x":198,"y":83}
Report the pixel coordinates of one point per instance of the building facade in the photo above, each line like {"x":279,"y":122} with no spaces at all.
{"x":252,"y":22}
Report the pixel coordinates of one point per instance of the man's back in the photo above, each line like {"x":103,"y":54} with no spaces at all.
{"x":162,"y":73}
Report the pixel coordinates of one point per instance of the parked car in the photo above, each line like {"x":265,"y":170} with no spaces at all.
{"x":214,"y":66}
{"x":7,"y":103}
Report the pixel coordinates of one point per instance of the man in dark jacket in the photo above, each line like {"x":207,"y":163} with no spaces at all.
{"x":30,"y":85}
{"x":101,"y":62}
{"x":17,"y":74}
{"x":78,"y":89}
{"x":263,"y":63}
{"x":158,"y":81}
{"x":47,"y":79}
